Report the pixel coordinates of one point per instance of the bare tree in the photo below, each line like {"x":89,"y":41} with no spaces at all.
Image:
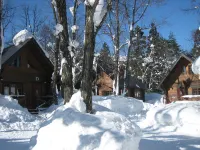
{"x":32,"y":19}
{"x":137,"y":12}
{"x":92,"y":26}
{"x":59,"y":7}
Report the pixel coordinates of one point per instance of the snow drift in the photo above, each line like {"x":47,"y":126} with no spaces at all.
{"x":15,"y":117}
{"x":181,"y":116}
{"x":122,"y":105}
{"x":71,"y":129}
{"x":21,"y":36}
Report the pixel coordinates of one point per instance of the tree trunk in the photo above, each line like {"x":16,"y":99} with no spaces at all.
{"x":55,"y":74}
{"x":126,"y":80}
{"x":66,"y":75}
{"x":117,"y":43}
{"x":1,"y":31}
{"x":88,"y":58}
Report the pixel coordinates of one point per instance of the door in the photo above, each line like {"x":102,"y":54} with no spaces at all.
{"x":36,"y":94}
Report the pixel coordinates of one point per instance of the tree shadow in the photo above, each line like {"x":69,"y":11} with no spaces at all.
{"x":14,"y":144}
{"x":170,"y":142}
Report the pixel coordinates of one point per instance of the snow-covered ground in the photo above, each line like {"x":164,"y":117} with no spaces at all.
{"x":118,"y":123}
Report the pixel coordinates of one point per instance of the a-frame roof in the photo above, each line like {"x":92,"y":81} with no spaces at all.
{"x":10,"y":51}
{"x":182,"y":56}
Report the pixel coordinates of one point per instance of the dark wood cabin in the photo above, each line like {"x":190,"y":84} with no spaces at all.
{"x":26,"y":74}
{"x":180,"y":81}
{"x":135,"y":88}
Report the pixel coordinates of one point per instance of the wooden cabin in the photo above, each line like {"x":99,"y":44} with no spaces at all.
{"x":135,"y":88}
{"x":26,"y":74}
{"x":104,"y":84}
{"x":180,"y":81}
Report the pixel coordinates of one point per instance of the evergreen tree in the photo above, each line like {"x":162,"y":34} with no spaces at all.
{"x":173,"y":46}
{"x":137,"y":53}
{"x":105,"y":61}
{"x":196,"y":48}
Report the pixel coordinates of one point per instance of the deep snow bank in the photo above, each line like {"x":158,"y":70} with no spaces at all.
{"x":122,"y":105}
{"x":70,"y":128}
{"x":154,"y":98}
{"x":15,"y":117}
{"x":182,"y":116}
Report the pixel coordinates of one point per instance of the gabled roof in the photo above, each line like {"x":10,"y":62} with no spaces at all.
{"x":181,"y":56}
{"x":12,"y":50}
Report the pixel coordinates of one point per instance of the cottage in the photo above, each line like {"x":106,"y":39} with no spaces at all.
{"x":26,"y":73}
{"x":135,"y":88}
{"x":180,"y":81}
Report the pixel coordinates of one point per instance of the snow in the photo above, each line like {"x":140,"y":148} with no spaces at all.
{"x":99,"y":13}
{"x":117,"y":123}
{"x":21,"y":36}
{"x":190,"y":96}
{"x":196,"y":66}
{"x":154,"y":98}
{"x":89,"y":2}
{"x":106,"y":129}
{"x":58,"y":29}
{"x":63,"y":61}
{"x":71,"y":9}
{"x":74,"y":28}
{"x":15,"y":117}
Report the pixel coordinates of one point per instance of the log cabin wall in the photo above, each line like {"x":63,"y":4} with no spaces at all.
{"x":178,"y":89}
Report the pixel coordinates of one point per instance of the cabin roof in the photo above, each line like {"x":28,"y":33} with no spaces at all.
{"x":182,"y":56}
{"x":12,"y":50}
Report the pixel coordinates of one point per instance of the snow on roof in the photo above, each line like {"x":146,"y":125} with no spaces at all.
{"x":21,"y":36}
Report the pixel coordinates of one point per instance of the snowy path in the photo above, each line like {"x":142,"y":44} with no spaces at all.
{"x":15,"y":140}
{"x":168,"y":141}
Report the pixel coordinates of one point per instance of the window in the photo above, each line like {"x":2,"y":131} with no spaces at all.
{"x":196,"y":91}
{"x":13,"y":89}
{"x":137,"y":93}
{"x":16,"y":62}
{"x":106,"y":93}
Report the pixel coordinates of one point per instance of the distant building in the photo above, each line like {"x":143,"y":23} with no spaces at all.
{"x":135,"y":88}
{"x":26,"y":74}
{"x":180,"y":83}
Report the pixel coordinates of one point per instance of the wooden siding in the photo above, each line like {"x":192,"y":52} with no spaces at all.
{"x":178,"y":89}
{"x":32,"y":71}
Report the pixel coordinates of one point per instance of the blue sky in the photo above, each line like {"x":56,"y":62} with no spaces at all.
{"x":179,"y":22}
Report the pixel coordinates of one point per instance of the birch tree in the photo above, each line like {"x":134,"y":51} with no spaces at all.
{"x":94,"y":17}
{"x":1,"y":31}
{"x":59,"y":7}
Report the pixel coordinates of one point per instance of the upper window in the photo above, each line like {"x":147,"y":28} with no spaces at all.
{"x":16,"y":62}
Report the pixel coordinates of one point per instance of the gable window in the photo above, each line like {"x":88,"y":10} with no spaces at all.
{"x":16,"y":62}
